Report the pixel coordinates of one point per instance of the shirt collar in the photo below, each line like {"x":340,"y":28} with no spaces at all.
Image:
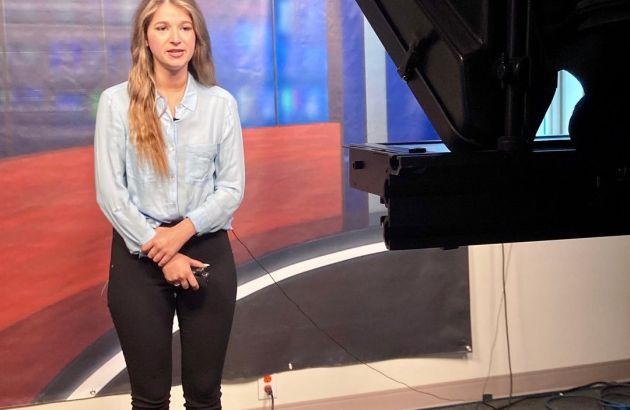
{"x":189,"y":100}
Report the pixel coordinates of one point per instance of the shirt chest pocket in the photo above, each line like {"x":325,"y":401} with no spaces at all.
{"x":199,"y":162}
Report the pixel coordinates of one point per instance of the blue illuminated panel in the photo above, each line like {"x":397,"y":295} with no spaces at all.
{"x":302,"y":61}
{"x":54,"y":64}
{"x":243,"y":55}
{"x":406,"y":121}
{"x":59,"y":56}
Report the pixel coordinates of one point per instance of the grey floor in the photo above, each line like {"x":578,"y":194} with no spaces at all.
{"x":598,"y":396}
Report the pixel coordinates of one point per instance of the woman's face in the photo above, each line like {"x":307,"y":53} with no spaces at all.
{"x":171,"y":38}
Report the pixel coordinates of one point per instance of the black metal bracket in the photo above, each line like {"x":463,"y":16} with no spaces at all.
{"x":513,"y":72}
{"x":415,"y":53}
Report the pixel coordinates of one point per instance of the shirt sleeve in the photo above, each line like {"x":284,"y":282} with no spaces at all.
{"x":112,"y":195}
{"x":216,"y":211}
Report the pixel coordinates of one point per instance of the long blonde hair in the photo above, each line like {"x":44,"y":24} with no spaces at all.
{"x":144,"y":123}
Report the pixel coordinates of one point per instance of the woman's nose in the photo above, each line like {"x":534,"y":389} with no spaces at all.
{"x":174,"y":36}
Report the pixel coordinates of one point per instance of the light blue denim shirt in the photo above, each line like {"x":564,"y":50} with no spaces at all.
{"x":204,"y":148}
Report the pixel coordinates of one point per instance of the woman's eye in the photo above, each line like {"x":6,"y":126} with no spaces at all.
{"x":187,"y":28}
{"x":160,"y":28}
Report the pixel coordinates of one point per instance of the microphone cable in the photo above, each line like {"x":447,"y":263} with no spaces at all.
{"x":330,"y":337}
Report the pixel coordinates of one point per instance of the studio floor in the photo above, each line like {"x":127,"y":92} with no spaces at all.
{"x":597,"y":396}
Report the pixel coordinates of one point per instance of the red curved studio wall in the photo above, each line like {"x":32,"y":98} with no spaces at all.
{"x":54,"y":247}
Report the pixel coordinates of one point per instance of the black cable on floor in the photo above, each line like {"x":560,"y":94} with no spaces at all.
{"x":612,"y":390}
{"x":567,"y":395}
{"x":567,"y":398}
{"x":330,"y":337}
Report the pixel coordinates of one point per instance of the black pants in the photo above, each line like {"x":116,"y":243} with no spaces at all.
{"x":142,"y":305}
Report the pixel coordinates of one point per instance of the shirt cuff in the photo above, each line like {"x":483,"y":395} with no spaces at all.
{"x":146,"y":237}
{"x":199,"y":220}
{"x":206,"y":219}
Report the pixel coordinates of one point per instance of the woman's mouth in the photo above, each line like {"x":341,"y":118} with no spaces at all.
{"x":175,"y":53}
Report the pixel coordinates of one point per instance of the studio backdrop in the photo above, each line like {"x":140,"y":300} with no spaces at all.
{"x":309,"y":77}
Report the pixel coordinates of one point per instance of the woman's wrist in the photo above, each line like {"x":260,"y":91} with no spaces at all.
{"x":187,"y":228}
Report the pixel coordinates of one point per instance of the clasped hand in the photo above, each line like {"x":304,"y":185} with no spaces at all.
{"x":168,"y":241}
{"x":178,"y":271}
{"x":164,"y":248}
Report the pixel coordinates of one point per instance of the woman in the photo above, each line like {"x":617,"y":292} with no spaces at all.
{"x":169,"y":176}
